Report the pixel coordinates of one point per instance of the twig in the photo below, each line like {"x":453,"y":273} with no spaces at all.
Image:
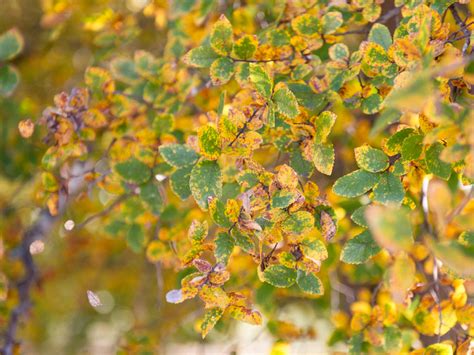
{"x":461,"y":206}
{"x":39,"y":229}
{"x":104,"y":212}
{"x":244,"y":128}
{"x":463,"y":28}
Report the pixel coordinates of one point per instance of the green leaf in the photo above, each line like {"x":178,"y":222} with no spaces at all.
{"x":355,"y":184}
{"x":9,"y":79}
{"x":314,"y":250}
{"x":285,"y":102}
{"x":163,"y":123}
{"x":466,"y":238}
{"x":358,"y":216}
{"x":323,"y":124}
{"x":309,"y":283}
{"x":200,"y":57}
{"x":11,"y":44}
{"x":205,"y":182}
{"x":439,"y":349}
{"x":133,"y":171}
{"x":412,"y":147}
{"x":323,"y":157}
{"x":221,"y":71}
{"x":389,"y":190}
{"x":209,"y":142}
{"x":385,"y":118}
{"x":99,"y":80}
{"x":380,"y":34}
{"x":306,"y":25}
{"x":279,"y":276}
{"x":217,"y":212}
{"x":261,"y":80}
{"x":371,"y":159}
{"x":178,"y":155}
{"x":136,"y":237}
{"x":298,"y":223}
{"x":359,"y":249}
{"x":222,"y":36}
{"x":390,"y":227}
{"x":123,"y":69}
{"x":211,"y":317}
{"x":283,"y":198}
{"x":243,"y":241}
{"x":224,"y":247}
{"x":150,"y":194}
{"x":372,"y":104}
{"x":331,"y":21}
{"x":179,"y":182}
{"x":394,"y":143}
{"x":434,"y":164}
{"x":339,"y":51}
{"x":246,"y":47}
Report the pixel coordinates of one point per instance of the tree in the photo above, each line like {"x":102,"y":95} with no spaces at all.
{"x":273,"y":152}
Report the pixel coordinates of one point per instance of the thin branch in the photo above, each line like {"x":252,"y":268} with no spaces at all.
{"x":37,"y":231}
{"x":459,"y":208}
{"x":244,"y":128}
{"x":463,"y":28}
{"x":104,"y":212}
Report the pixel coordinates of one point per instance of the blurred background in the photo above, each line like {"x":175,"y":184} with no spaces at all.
{"x":61,"y":40}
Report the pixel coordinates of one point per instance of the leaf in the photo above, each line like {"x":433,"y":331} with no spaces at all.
{"x":245,"y":47}
{"x":323,"y":124}
{"x":26,"y":128}
{"x":371,"y":159}
{"x":224,"y":247}
{"x":439,"y":349}
{"x":179,"y":182}
{"x":358,"y":216}
{"x":455,"y":256}
{"x":244,"y":314}
{"x":136,"y":237}
{"x":198,"y":232}
{"x":359,"y":249}
{"x":200,"y":57}
{"x":380,"y":34}
{"x":214,"y":297}
{"x":221,"y":38}
{"x":99,"y":80}
{"x":9,"y":79}
{"x":178,"y":155}
{"x":355,"y":184}
{"x":412,"y":147}
{"x":372,"y":104}
{"x":331,"y":21}
{"x":309,"y":283}
{"x":390,"y":227}
{"x":328,"y":226}
{"x":211,"y":317}
{"x":209,"y":142}
{"x":279,"y":276}
{"x":205,"y":182}
{"x":339,"y":51}
{"x":285,"y":101}
{"x":221,"y":71}
{"x":133,"y":171}
{"x":124,"y":70}
{"x":217,"y":212}
{"x":323,"y":157}
{"x":401,"y":277}
{"x":261,"y":80}
{"x":93,"y":299}
{"x":298,"y":223}
{"x":283,"y":198}
{"x":11,"y":44}
{"x":306,"y":25}
{"x":150,"y":194}
{"x":314,"y":250}
{"x":395,"y":142}
{"x":389,"y":189}
{"x":434,"y":164}
{"x":385,"y":118}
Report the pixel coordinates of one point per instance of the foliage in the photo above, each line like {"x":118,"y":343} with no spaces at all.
{"x":276,"y":151}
